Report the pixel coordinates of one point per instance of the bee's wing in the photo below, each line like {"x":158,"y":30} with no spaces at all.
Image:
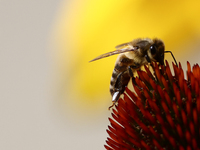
{"x":122,"y":46}
{"x":118,"y":51}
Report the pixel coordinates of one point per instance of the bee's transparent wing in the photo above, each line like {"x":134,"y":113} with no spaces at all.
{"x":126,"y":48}
{"x":122,"y":46}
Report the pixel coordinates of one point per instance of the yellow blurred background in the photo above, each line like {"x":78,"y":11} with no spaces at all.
{"x":86,"y":29}
{"x":51,"y":96}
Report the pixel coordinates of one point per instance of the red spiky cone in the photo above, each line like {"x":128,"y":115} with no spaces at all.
{"x":162,"y":113}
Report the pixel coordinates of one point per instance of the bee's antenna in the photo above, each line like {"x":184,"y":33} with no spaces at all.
{"x":172,"y":57}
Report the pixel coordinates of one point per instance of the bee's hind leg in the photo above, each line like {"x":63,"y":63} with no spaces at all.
{"x":118,"y":90}
{"x":112,"y":105}
{"x":115,"y":98}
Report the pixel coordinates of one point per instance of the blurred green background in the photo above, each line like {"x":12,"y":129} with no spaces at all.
{"x":51,"y":96}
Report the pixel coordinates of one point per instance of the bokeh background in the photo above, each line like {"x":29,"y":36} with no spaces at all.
{"x":51,"y":96}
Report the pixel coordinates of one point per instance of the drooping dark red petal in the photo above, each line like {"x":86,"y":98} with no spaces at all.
{"x":192,"y":130}
{"x":170,"y":121}
{"x":167,"y":98}
{"x":184,"y":117}
{"x":195,"y":117}
{"x":176,"y":70}
{"x":157,"y":73}
{"x":165,"y":83}
{"x":175,"y":109}
{"x":112,"y":144}
{"x":194,"y":143}
{"x":198,"y":105}
{"x":179,"y":130}
{"x":168,"y":72}
{"x":148,"y":72}
{"x":181,"y":81}
{"x":157,"y":145}
{"x":177,"y":94}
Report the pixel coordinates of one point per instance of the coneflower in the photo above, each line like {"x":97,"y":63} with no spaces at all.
{"x":162,"y":113}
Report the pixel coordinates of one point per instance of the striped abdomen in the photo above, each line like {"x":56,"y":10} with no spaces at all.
{"x":120,"y":76}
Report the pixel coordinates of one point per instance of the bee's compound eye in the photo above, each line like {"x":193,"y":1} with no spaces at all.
{"x":153,"y":49}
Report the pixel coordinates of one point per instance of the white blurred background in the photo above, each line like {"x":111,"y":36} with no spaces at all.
{"x":31,"y":116}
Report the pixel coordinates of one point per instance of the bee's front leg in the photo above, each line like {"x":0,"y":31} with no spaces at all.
{"x":148,"y":60}
{"x":131,"y":72}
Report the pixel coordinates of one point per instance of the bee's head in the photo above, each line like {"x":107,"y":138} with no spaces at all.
{"x":156,"y":51}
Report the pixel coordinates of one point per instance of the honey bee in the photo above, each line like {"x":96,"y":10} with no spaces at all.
{"x":133,"y":55}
